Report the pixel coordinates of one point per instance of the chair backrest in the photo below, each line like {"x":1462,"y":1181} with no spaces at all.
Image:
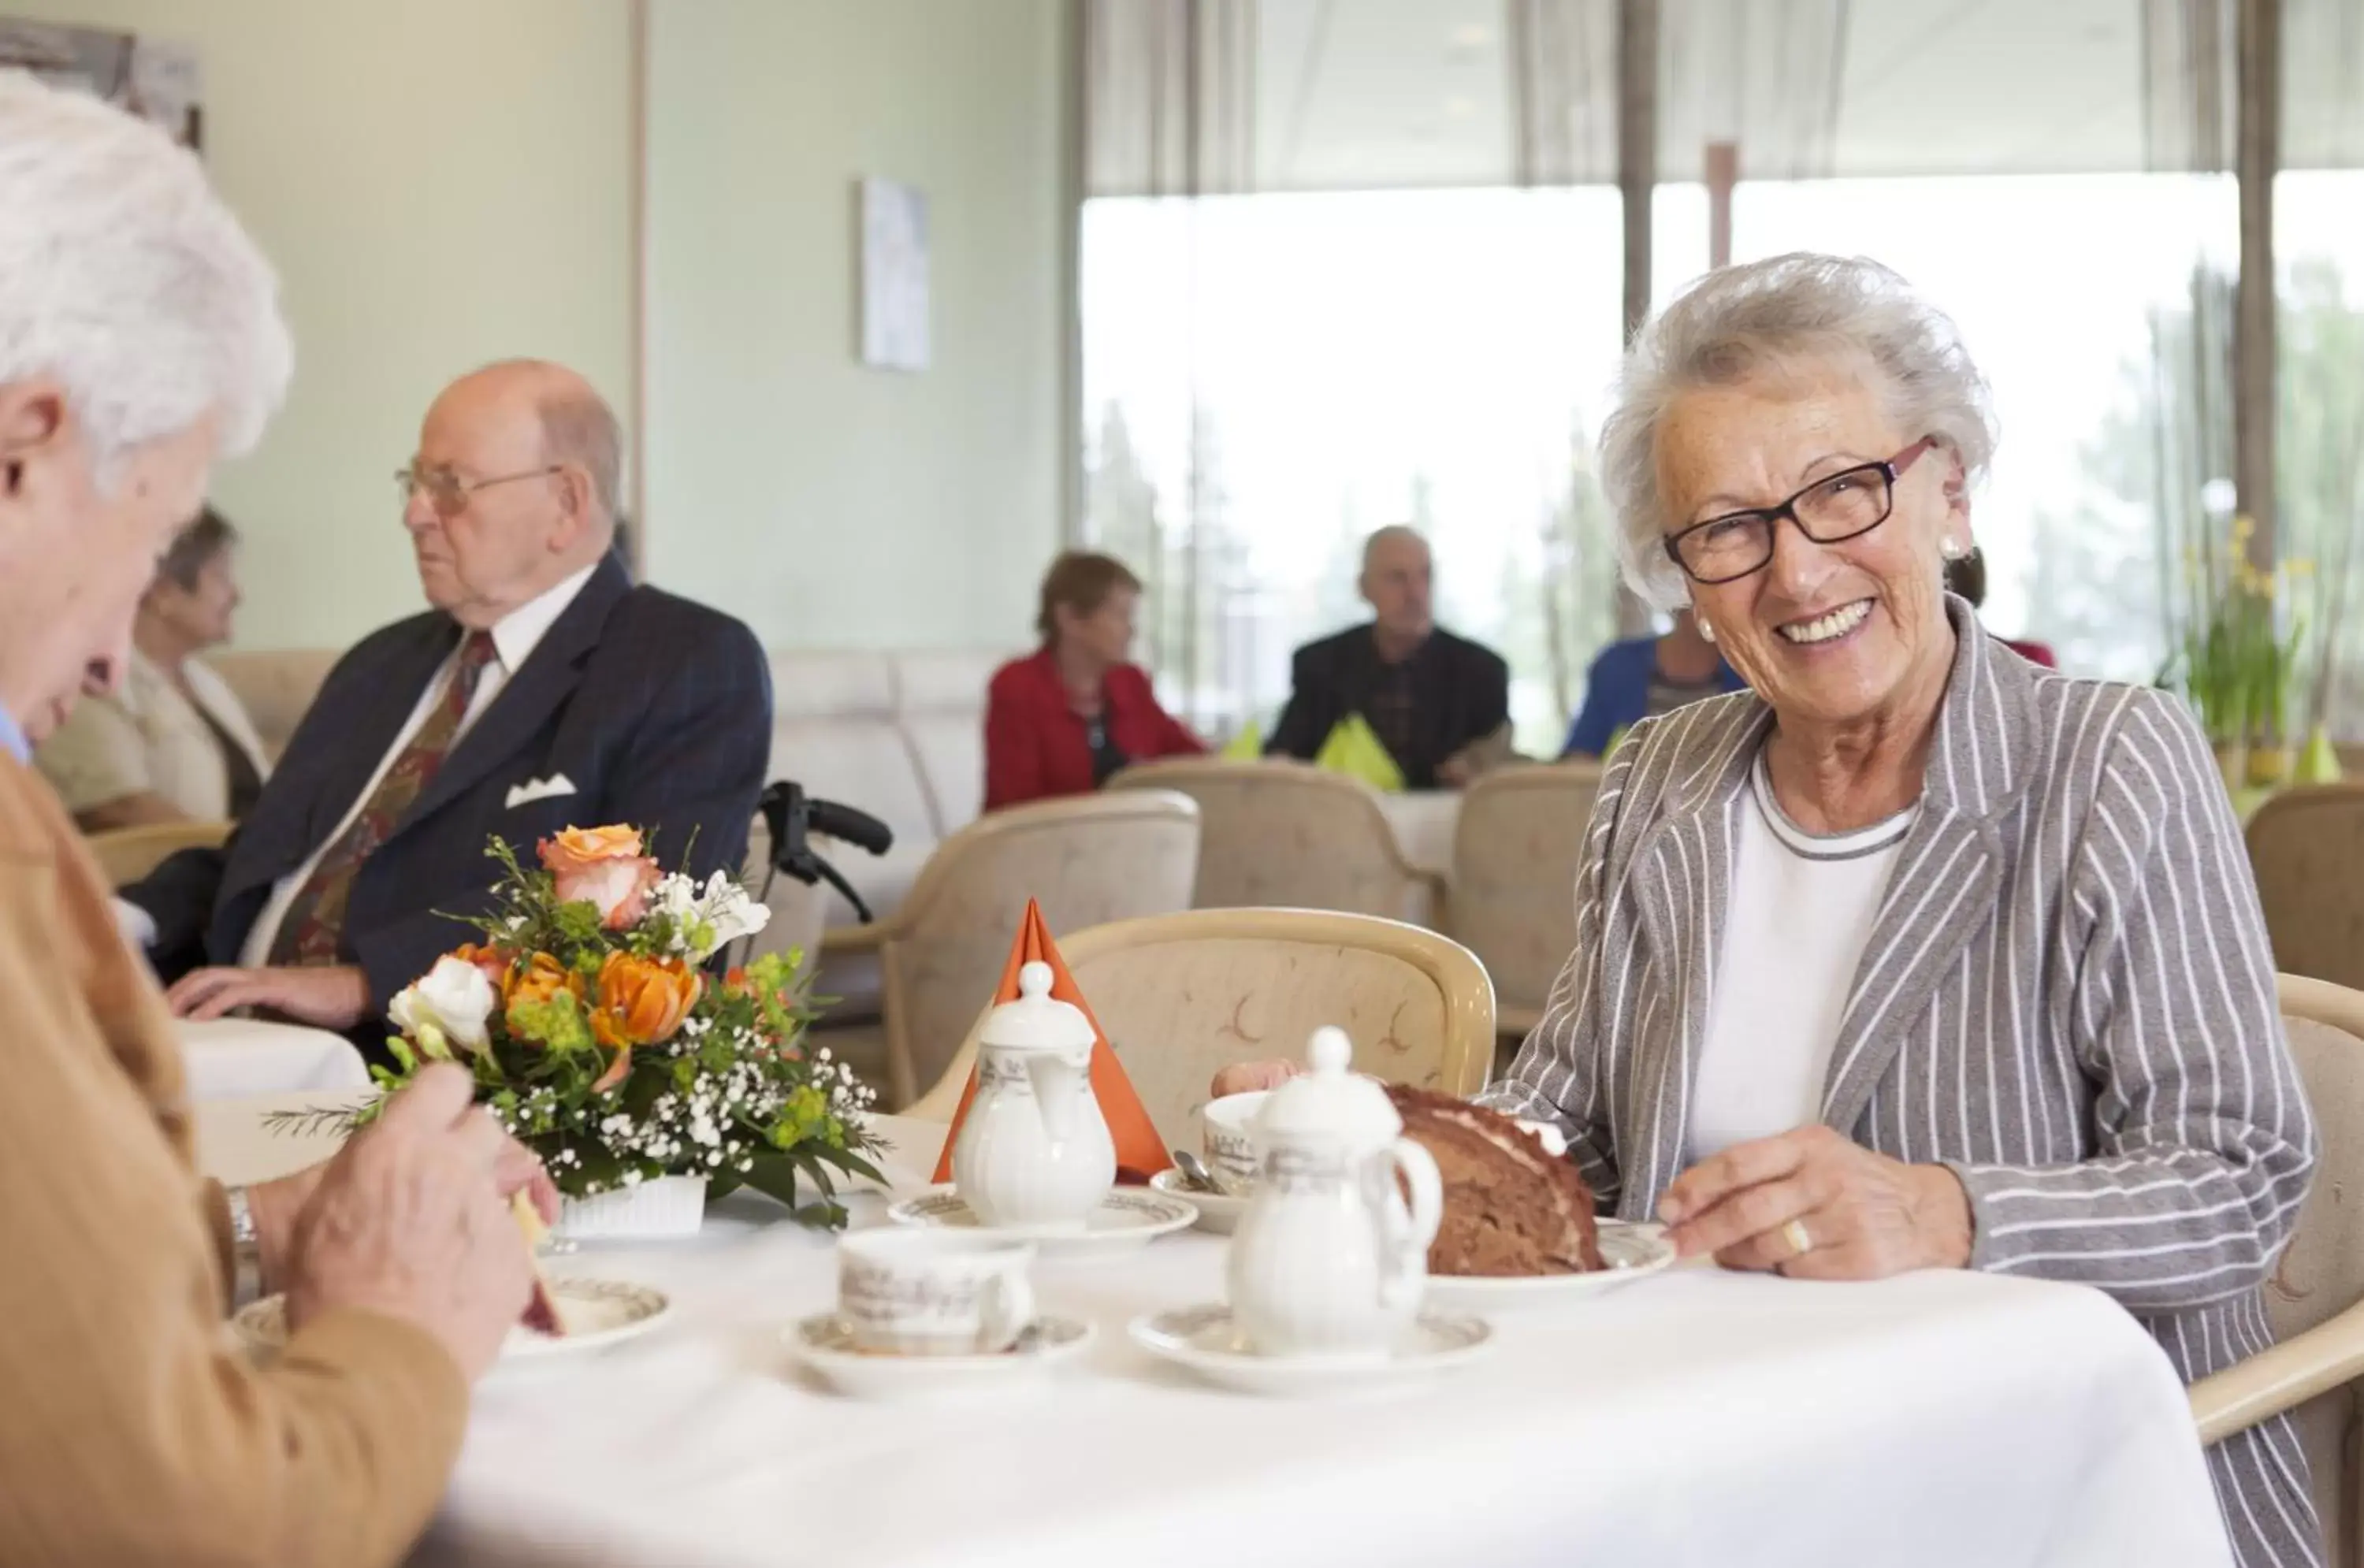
{"x":940,"y":697}
{"x":1514,"y":857}
{"x":126,"y":854}
{"x":1282,"y":835}
{"x":2322,"y":1271}
{"x":275,"y":687}
{"x":2306,"y":846}
{"x":1086,"y":860}
{"x":1182,"y":996}
{"x":834,"y":730}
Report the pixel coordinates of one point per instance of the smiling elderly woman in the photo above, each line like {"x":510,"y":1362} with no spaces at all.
{"x":1914,"y":955}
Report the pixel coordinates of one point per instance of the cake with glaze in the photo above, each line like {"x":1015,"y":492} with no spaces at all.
{"x":1511,"y":1208}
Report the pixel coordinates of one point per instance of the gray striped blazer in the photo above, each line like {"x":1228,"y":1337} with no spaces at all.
{"x":2067,"y":998}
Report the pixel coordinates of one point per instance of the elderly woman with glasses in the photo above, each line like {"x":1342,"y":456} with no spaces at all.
{"x":1913,"y":955}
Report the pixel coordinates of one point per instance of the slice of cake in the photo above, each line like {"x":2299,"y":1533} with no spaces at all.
{"x":1510,"y":1208}
{"x":541,"y":1311}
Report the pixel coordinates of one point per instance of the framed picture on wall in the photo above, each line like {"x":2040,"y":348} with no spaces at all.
{"x":152,"y":78}
{"x":894,"y":276}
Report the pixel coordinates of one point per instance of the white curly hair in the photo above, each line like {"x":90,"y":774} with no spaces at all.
{"x":124,"y":277}
{"x":1780,"y":312}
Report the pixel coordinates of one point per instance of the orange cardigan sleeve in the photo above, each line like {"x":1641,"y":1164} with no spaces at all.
{"x":133,"y":1430}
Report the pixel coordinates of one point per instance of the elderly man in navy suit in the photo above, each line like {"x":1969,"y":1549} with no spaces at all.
{"x":543,"y":690}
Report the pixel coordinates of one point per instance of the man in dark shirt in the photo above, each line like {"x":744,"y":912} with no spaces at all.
{"x":1440,"y":704}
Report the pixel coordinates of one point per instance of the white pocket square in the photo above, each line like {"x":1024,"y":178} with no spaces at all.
{"x":532,"y":790}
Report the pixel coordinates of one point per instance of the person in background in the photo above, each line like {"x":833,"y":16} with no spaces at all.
{"x":1062,"y":719}
{"x":1966,"y":578}
{"x":141,"y":340}
{"x":175,"y":744}
{"x":1642,"y":677}
{"x":1440,"y":704}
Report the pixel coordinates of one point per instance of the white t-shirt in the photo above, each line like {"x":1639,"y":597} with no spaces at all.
{"x":1802,"y":909}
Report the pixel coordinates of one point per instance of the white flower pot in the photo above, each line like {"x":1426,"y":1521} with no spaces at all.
{"x":669,"y":1205}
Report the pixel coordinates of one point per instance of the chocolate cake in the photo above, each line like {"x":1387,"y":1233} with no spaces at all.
{"x":1511,"y":1208}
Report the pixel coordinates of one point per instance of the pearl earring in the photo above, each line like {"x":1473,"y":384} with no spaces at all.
{"x":1952,"y":549}
{"x":1707,"y":632}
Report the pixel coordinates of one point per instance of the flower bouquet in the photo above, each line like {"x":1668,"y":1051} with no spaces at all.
{"x":601,"y":1041}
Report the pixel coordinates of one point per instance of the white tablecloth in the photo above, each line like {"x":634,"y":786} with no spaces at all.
{"x":1697,"y":1418}
{"x":1424,"y":821}
{"x":237,"y":1058}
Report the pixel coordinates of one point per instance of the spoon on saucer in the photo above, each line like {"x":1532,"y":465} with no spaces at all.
{"x":1194,"y":1171}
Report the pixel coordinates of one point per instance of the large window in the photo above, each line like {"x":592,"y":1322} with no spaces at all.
{"x":1269,"y":378}
{"x":2319,"y":244}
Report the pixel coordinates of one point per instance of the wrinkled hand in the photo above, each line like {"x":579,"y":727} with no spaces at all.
{"x":1866,"y":1216}
{"x":276,"y":1207}
{"x":409,"y":1221}
{"x":1247,"y":1077}
{"x":334,"y":996}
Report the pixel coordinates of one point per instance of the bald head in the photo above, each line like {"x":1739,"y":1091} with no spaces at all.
{"x":517,"y":470}
{"x":1396,"y":580}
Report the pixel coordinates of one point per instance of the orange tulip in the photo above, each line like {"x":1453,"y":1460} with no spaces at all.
{"x":494,"y":961}
{"x":541,"y":978}
{"x":641,"y":1001}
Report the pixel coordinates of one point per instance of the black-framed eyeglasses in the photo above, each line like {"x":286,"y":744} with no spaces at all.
{"x":448,"y":493}
{"x":1837,"y":506}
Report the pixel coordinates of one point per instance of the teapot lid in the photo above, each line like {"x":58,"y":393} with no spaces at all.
{"x":1037,"y":1020}
{"x":1330,"y":1102}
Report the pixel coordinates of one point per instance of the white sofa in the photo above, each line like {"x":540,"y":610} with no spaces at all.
{"x":900,"y":735}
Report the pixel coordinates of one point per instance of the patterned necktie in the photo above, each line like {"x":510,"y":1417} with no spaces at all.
{"x":314,"y":926}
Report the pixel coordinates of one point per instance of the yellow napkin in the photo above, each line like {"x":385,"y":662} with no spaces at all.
{"x":1353,"y":748}
{"x":1246,"y":746}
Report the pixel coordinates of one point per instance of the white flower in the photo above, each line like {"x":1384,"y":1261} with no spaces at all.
{"x":455,"y":1000}
{"x":730,"y":913}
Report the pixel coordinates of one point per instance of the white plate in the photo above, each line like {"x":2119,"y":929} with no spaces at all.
{"x":1204,"y":1340}
{"x":1219,"y":1213}
{"x":1632,"y":1252}
{"x":1127,"y":1216}
{"x":827,"y":1347}
{"x":596,"y":1312}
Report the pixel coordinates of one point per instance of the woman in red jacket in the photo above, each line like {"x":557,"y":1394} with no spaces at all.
{"x":1062,"y":720}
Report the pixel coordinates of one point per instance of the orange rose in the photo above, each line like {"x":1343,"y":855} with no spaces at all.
{"x":602,"y":866}
{"x":541,"y":978}
{"x":641,"y":1001}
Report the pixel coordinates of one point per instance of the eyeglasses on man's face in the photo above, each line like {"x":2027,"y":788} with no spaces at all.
{"x":1838,"y":507}
{"x":448,"y":493}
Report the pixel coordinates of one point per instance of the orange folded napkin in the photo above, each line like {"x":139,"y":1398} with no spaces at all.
{"x":1140,"y":1152}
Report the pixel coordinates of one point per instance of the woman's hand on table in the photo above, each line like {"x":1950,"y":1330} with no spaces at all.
{"x":1860,"y":1215}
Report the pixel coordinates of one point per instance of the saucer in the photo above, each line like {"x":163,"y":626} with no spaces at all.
{"x":1204,"y":1340}
{"x":597,"y":1313}
{"x":1631,"y":1252}
{"x":1127,"y":1218}
{"x":1218,"y":1212}
{"x":827,"y":1346}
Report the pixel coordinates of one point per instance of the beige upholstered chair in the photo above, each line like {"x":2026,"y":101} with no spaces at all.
{"x":1087,"y":861}
{"x":1283,"y":835}
{"x":1181,"y":995}
{"x":1515,"y":849}
{"x":2306,"y":846}
{"x":275,"y":687}
{"x":2316,"y":1300}
{"x":126,"y":854}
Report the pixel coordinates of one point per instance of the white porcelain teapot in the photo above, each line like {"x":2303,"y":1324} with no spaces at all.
{"x":1035,"y":1151}
{"x":1329,"y":1259}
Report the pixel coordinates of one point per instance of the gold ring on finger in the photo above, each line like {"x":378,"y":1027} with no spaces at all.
{"x":1801,"y":1242}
